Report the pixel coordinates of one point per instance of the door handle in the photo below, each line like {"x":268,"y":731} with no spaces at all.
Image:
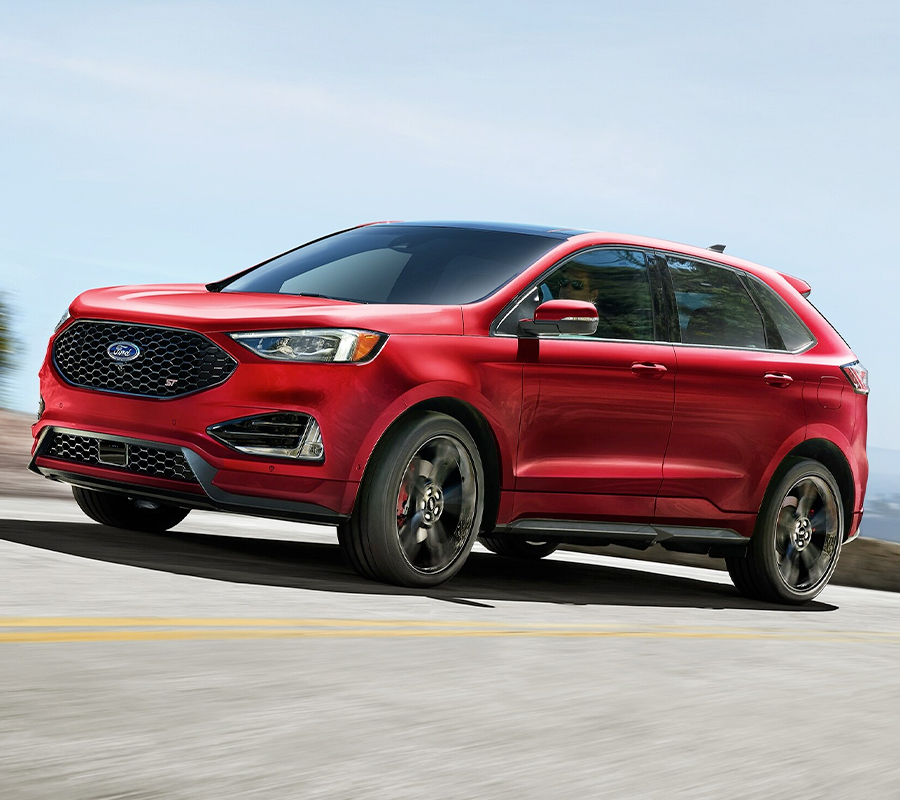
{"x":779,"y":379}
{"x":648,"y":369}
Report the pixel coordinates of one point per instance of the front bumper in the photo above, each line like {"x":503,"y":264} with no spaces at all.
{"x":209,"y":487}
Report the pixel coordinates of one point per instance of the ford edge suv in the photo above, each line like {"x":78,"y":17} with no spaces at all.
{"x":419,"y":385}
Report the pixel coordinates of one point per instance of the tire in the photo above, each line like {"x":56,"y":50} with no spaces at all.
{"x":797,"y":540}
{"x":419,"y":506}
{"x":518,"y":548}
{"x":122,"y":511}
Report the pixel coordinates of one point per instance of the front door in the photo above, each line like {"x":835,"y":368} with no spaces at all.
{"x":597,"y":409}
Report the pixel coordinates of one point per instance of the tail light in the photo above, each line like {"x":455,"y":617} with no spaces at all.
{"x":858,"y":376}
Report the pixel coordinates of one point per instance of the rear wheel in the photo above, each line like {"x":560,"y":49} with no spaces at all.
{"x":518,"y":548}
{"x":131,"y":513}
{"x":419,"y":506}
{"x":797,"y":541}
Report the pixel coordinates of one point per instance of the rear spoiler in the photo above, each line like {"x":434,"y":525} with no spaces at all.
{"x":800,"y":285}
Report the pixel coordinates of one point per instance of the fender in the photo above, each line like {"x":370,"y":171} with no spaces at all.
{"x":792,"y":442}
{"x":417,"y":395}
{"x":856,"y":458}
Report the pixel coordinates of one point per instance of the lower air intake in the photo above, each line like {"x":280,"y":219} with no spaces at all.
{"x":100,"y":452}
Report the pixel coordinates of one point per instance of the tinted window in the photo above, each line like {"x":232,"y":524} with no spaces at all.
{"x":616,"y":281}
{"x":400,"y":264}
{"x":794,"y":334}
{"x":714,"y":308}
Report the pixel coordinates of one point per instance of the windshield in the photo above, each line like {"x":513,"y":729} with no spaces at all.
{"x":409,"y":264}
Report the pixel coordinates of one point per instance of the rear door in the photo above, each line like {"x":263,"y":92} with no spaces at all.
{"x":738,"y":397}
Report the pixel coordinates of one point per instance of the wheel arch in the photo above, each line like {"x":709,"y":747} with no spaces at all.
{"x":479,"y":428}
{"x":833,"y":459}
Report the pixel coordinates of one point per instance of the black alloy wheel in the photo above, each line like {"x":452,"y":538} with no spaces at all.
{"x":419,"y":506}
{"x":797,"y":541}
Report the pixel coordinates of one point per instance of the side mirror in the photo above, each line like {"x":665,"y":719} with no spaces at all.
{"x":574,"y":317}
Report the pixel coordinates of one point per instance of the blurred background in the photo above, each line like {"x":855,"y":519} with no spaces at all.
{"x":153,"y":142}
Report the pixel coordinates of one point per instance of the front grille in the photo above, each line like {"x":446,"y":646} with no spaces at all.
{"x":170,"y":362}
{"x":139,"y":458}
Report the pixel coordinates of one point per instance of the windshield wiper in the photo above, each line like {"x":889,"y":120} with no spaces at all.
{"x":327,"y":297}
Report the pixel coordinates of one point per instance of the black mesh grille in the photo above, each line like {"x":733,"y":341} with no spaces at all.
{"x":141,"y":459}
{"x":171,"y":362}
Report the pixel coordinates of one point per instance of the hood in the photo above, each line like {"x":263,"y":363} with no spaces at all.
{"x":193,"y":306}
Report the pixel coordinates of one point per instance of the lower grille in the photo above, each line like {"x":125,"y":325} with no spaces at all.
{"x":137,"y":458}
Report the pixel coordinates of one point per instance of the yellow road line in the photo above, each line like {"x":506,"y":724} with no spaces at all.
{"x":278,"y":622}
{"x":112,"y":629}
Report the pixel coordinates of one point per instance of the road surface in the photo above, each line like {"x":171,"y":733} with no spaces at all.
{"x":240,"y":658}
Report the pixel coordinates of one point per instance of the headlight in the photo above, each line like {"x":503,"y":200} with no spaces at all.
{"x":62,"y":320}
{"x":315,"y":344}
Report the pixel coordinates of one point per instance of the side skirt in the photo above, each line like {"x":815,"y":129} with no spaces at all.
{"x":716,"y":542}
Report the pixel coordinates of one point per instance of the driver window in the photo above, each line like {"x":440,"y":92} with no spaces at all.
{"x":616,"y":282}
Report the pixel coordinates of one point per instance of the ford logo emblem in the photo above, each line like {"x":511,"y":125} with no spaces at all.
{"x":123,"y":351}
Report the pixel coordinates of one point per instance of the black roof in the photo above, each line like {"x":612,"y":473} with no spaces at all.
{"x":505,"y":227}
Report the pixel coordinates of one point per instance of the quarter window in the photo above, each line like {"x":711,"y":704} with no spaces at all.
{"x":714,"y":308}
{"x":794,"y":334}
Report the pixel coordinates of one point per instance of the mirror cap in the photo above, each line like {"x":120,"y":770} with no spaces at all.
{"x":555,"y":317}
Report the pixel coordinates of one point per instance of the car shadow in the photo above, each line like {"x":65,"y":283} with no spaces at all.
{"x":307,"y":565}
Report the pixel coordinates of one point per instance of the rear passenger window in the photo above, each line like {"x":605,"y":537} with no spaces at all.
{"x":794,"y":334}
{"x":714,"y":308}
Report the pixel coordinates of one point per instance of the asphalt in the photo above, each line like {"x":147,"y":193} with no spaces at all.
{"x":241,"y":658}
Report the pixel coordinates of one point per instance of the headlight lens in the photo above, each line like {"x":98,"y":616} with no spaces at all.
{"x":62,"y":320}
{"x":323,"y":345}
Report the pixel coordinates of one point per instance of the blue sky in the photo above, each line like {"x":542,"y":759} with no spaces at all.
{"x":150,"y":142}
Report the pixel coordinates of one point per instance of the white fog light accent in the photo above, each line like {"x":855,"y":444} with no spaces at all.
{"x":311,"y":446}
{"x":322,"y":345}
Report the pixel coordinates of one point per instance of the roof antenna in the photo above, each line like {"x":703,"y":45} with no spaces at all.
{"x":719,"y":248}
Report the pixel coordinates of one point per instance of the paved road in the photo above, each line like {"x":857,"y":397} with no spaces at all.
{"x":241,"y":658}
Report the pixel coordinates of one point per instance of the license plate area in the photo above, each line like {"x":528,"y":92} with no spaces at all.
{"x":114,"y":454}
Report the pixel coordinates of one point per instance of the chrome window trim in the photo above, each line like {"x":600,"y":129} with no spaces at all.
{"x":570,"y":337}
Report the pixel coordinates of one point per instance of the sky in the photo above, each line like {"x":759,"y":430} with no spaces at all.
{"x":153,"y":142}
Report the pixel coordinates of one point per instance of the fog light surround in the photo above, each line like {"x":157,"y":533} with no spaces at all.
{"x":282,"y":434}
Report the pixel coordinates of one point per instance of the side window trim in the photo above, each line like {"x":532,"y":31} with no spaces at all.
{"x":654,"y":275}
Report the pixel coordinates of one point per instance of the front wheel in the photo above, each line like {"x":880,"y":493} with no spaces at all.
{"x":797,"y":541}
{"x":131,"y":513}
{"x":419,"y":506}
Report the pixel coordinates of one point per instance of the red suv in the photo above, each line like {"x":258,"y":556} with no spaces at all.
{"x":421,"y":384}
